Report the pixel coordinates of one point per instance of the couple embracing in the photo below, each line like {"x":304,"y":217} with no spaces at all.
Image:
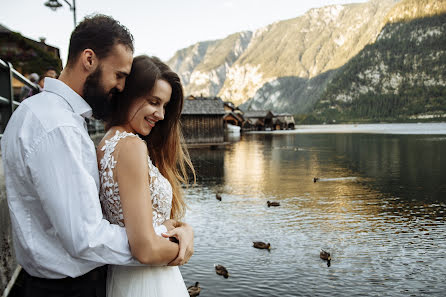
{"x":74,"y":208}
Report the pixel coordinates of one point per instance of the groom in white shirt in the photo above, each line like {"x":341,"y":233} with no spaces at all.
{"x":60,"y":237}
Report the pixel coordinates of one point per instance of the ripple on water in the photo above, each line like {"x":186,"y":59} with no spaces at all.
{"x":382,"y":243}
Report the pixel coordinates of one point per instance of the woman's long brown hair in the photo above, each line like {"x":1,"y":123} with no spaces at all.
{"x":165,"y":142}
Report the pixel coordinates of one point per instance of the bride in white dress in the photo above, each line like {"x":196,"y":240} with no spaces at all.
{"x":139,"y":159}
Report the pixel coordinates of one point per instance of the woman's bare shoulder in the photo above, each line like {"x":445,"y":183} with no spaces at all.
{"x":131,"y":151}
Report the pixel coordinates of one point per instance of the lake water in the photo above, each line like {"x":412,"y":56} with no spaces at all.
{"x":379,"y":208}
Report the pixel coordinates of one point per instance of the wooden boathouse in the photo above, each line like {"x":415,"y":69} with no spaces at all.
{"x":258,"y":120}
{"x":233,"y":115}
{"x":283,"y":121}
{"x":202,"y":120}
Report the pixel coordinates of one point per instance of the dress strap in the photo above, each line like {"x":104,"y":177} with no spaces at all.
{"x":109,"y":147}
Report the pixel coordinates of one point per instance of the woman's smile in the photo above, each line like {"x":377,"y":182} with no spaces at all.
{"x":151,"y":122}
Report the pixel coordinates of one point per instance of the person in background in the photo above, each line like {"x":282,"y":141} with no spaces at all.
{"x":26,"y":91}
{"x":49,"y":72}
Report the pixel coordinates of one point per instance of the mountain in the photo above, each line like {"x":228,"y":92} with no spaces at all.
{"x":283,"y":66}
{"x":402,"y":76}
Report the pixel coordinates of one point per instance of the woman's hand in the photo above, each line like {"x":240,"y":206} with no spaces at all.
{"x":170,"y":224}
{"x":185,"y":235}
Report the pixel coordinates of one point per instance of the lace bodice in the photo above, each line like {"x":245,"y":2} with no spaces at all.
{"x":160,"y":188}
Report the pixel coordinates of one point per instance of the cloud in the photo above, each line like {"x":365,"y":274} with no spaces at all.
{"x":228,"y":4}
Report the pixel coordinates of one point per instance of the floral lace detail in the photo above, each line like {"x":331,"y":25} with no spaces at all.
{"x":160,"y":188}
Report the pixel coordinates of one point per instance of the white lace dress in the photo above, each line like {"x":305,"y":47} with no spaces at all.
{"x":135,"y":281}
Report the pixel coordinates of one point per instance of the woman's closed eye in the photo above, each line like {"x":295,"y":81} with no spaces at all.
{"x":153,"y":101}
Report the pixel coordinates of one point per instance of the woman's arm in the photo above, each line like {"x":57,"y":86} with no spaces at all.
{"x":133,"y":180}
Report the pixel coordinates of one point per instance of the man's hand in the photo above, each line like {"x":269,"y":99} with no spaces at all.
{"x":185,"y":235}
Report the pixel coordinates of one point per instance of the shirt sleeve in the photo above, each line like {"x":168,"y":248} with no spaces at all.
{"x":64,"y":173}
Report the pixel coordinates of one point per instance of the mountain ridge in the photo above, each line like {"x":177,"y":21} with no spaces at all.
{"x":287,"y":65}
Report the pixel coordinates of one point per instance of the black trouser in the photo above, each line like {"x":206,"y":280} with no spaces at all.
{"x":91,"y":284}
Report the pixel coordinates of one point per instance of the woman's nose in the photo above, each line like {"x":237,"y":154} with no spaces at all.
{"x":159,"y":113}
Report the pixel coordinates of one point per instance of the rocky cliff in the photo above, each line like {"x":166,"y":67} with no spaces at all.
{"x":283,"y":66}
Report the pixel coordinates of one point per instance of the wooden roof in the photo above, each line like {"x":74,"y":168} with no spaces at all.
{"x":237,"y":116}
{"x":203,"y":106}
{"x":43,"y":45}
{"x":3,"y":29}
{"x":257,"y":113}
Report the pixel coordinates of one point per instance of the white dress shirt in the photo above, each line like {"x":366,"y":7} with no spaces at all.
{"x":52,"y":186}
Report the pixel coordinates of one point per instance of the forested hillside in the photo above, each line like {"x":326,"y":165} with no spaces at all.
{"x":402,"y":76}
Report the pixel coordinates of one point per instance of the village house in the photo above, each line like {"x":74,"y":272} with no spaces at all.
{"x":283,"y":121}
{"x":233,"y":115}
{"x":22,"y":51}
{"x":258,"y":120}
{"x":26,"y":55}
{"x":202,"y":120}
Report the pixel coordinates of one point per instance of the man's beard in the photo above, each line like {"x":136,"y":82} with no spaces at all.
{"x":97,"y":97}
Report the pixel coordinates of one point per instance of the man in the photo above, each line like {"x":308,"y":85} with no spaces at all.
{"x":60,"y":237}
{"x":26,"y":91}
{"x":49,"y":72}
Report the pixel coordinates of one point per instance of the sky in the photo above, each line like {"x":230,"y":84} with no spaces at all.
{"x":159,"y":27}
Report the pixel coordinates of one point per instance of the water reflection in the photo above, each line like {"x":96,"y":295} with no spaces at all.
{"x":406,"y":166}
{"x":245,"y":162}
{"x":379,"y":207}
{"x":208,"y":165}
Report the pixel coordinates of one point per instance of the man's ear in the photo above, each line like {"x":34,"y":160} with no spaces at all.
{"x":89,"y":60}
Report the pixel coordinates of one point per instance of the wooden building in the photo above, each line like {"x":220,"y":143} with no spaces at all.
{"x":283,"y":121}
{"x":202,"y":120}
{"x":233,"y":119}
{"x":27,"y":55}
{"x":258,"y":120}
{"x":233,"y":115}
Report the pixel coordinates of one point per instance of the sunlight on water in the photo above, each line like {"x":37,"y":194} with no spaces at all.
{"x":378,"y":207}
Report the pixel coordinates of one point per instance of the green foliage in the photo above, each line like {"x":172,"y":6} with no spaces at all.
{"x":404,"y":51}
{"x":306,"y":119}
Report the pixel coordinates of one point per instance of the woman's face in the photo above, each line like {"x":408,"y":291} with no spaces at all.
{"x":147,"y":110}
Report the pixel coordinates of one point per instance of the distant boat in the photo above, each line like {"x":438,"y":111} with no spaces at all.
{"x":232,"y":128}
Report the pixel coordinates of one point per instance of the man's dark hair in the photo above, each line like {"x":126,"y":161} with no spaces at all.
{"x":46,"y":71}
{"x":99,"y":33}
{"x":50,"y":68}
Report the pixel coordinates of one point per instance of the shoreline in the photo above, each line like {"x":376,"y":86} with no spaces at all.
{"x":390,"y":128}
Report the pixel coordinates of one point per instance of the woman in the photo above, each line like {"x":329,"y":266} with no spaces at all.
{"x":142,"y":164}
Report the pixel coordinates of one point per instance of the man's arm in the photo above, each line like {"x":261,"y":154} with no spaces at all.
{"x":62,"y":170}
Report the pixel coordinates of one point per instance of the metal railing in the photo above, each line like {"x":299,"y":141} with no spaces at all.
{"x":8,"y":102}
{"x":7,"y":99}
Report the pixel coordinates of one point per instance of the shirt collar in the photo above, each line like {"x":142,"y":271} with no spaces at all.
{"x":77,"y":103}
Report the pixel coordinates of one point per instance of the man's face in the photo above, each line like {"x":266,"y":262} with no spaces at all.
{"x":108,"y":79}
